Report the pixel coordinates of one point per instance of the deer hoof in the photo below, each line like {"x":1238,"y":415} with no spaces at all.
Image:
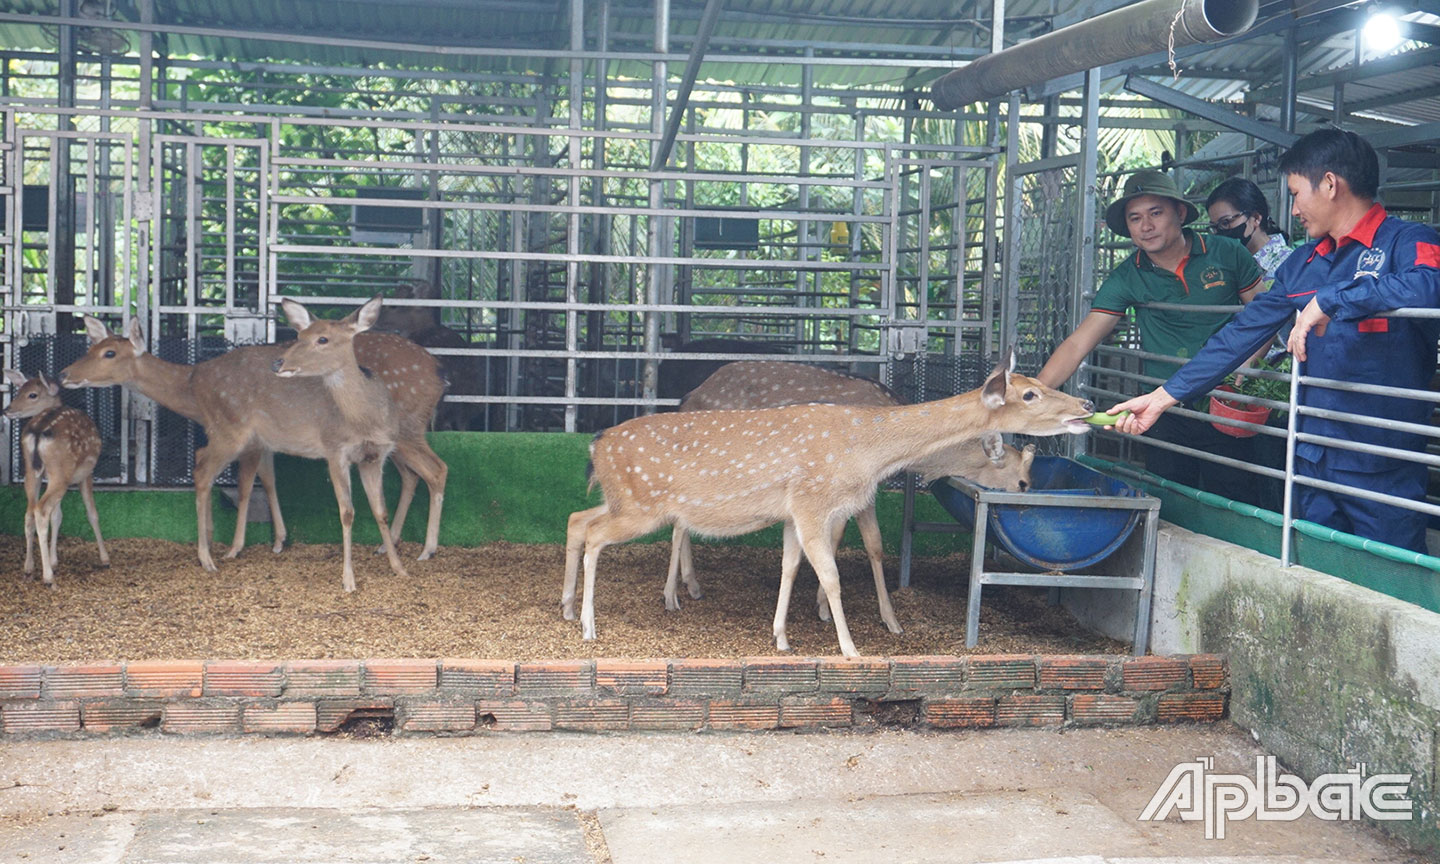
{"x":823,"y":610}
{"x":232,"y":554}
{"x":671,"y":604}
{"x":695,"y":592}
{"x":425,"y":555}
{"x":567,"y":611}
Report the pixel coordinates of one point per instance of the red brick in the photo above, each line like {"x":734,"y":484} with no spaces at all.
{"x":1208,"y":671}
{"x":1191,"y":707}
{"x":593,"y":715}
{"x":964,"y":711}
{"x":286,"y":717}
{"x":322,"y":678}
{"x":117,"y":715}
{"x":20,"y":682}
{"x":397,"y":677}
{"x":731,"y":714}
{"x":554,"y":678}
{"x":632,"y":677}
{"x":1154,"y":673}
{"x":1101,"y":708}
{"x":82,"y":682}
{"x":781,"y":674}
{"x":513,"y":715}
{"x":243,"y":678}
{"x":1072,"y":673}
{"x":804,"y":712}
{"x":331,"y":714}
{"x":854,"y":675}
{"x":707,"y":677}
{"x":478,"y":677}
{"x":27,"y":718}
{"x":196,"y":717}
{"x":439,"y":717}
{"x":667,"y":714}
{"x":165,"y":678}
{"x":928,"y":674}
{"x":1024,"y":709}
{"x":999,"y":672}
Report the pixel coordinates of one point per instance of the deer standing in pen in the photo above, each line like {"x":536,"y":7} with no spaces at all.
{"x":248,"y":413}
{"x":61,"y":446}
{"x":773,"y":384}
{"x":723,"y":473}
{"x":371,"y":423}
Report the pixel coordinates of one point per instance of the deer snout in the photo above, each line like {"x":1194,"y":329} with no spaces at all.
{"x":279,"y":362}
{"x":1088,"y":406}
{"x":64,"y":379}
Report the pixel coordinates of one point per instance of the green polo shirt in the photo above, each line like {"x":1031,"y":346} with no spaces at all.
{"x":1217,"y":272}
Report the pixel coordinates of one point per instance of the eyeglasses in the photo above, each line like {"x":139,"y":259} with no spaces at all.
{"x":1225,"y":223}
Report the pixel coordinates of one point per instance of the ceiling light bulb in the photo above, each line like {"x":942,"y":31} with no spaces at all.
{"x":1381,"y":32}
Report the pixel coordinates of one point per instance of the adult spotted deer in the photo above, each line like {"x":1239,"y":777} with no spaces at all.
{"x":248,"y":413}
{"x":772,"y":384}
{"x":61,"y":446}
{"x":369,"y":423}
{"x":723,"y":473}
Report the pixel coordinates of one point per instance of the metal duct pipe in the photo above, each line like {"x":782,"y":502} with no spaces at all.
{"x":1131,"y":31}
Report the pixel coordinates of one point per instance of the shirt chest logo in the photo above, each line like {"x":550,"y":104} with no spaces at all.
{"x":1370,"y":263}
{"x":1212,"y":278}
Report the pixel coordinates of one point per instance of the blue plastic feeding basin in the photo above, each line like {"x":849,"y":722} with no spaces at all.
{"x":1053,"y":537}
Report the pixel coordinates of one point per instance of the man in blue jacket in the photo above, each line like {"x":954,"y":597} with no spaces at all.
{"x":1359,"y":264}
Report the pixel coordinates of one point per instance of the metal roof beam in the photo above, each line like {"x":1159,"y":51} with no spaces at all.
{"x":1368,"y":69}
{"x":1210,"y":111}
{"x":1396,"y":98}
{"x":687,"y":84}
{"x":1423,"y":134}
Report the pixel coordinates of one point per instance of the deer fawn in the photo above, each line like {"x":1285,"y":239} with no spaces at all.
{"x":60,"y":445}
{"x":371,"y":423}
{"x":249,"y":413}
{"x":774,"y":384}
{"x":724,"y":473}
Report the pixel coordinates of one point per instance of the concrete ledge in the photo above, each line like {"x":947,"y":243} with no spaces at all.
{"x":465,"y":697}
{"x":1324,"y":673}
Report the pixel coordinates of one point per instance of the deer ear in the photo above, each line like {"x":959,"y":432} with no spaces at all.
{"x":135,"y":335}
{"x":297,"y":315}
{"x":364,"y":318}
{"x":1027,"y":456}
{"x":94,"y":329}
{"x":994,"y":447}
{"x":1012,"y":360}
{"x":51,"y":387}
{"x":15,"y":377}
{"x":992,"y":394}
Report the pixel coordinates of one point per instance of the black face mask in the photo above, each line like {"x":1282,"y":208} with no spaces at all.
{"x":1238,"y":232}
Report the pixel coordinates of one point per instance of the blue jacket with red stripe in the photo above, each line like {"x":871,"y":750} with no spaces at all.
{"x":1384,"y":263}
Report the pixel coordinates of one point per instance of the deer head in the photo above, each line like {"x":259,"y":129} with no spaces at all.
{"x":323,"y":347}
{"x":112,"y":358}
{"x":32,"y":396}
{"x":1016,"y":403}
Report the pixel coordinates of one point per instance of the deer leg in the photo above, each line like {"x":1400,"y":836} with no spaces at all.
{"x":609,"y":528}
{"x":372,"y":478}
{"x":822,"y":603}
{"x":575,"y":529}
{"x":47,"y":522}
{"x":267,"y":482}
{"x":32,"y":495}
{"x":687,"y":570}
{"x":249,"y":465}
{"x":875,"y":549}
{"x":433,"y":470}
{"x":815,"y":539}
{"x":87,"y":494}
{"x":340,"y":479}
{"x":672,"y":577}
{"x":209,"y":460}
{"x":789,"y":566}
{"x":408,"y":480}
{"x":56,"y":517}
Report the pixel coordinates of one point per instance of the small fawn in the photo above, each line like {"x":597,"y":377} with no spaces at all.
{"x":724,"y":473}
{"x":61,"y":446}
{"x":774,"y":384}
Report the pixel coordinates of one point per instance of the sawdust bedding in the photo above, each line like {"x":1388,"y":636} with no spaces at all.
{"x":496,"y":601}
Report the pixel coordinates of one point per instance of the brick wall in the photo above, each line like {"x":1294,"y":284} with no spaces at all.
{"x":455,"y":696}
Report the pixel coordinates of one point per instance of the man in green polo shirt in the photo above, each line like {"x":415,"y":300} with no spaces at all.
{"x":1171,"y":264}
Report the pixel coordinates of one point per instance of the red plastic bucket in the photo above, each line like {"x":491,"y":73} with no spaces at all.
{"x":1236,"y":411}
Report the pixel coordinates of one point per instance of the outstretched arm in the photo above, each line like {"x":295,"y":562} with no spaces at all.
{"x":1076,"y":347}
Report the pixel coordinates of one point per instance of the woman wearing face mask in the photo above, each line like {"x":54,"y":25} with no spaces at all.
{"x":1238,"y":210}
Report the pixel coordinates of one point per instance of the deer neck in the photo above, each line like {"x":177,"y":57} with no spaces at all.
{"x":912,"y":433}
{"x":170,"y":384}
{"x":360,"y":397}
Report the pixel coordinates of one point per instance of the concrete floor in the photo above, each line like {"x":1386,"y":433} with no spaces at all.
{"x":991,"y":796}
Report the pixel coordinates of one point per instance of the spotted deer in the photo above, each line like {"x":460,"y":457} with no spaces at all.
{"x":723,"y":473}
{"x":369,"y":423}
{"x":248,"y":413}
{"x":421,"y":325}
{"x":60,"y":445}
{"x":773,"y":384}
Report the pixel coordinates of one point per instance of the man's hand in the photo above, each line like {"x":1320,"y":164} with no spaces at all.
{"x":1144,"y":411}
{"x":1310,"y":319}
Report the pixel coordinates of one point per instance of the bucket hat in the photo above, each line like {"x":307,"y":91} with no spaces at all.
{"x":1147,"y":182}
